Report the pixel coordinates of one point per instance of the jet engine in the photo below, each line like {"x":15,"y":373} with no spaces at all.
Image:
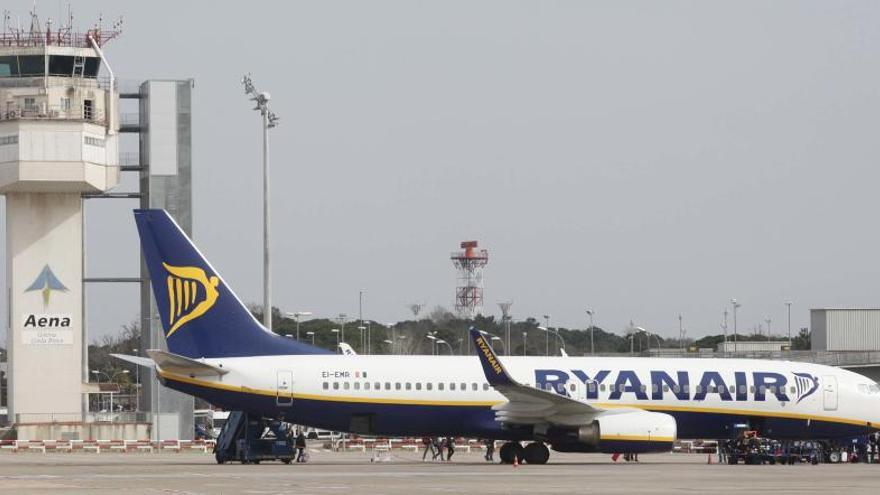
{"x":618,"y":432}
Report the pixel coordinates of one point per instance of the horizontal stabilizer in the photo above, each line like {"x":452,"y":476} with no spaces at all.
{"x":183,"y":365}
{"x":138,"y":360}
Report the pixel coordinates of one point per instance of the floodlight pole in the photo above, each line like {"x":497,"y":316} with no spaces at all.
{"x":269,"y":121}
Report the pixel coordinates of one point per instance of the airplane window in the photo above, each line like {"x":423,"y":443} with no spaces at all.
{"x":440,"y":386}
{"x":621,"y":387}
{"x":654,"y":388}
{"x":463,"y":386}
{"x":346,"y":385}
{"x":698,"y":389}
{"x":874,"y":388}
{"x":396,"y":385}
{"x":592,"y":386}
{"x":644,"y":388}
{"x":792,"y":389}
{"x":377,"y":386}
{"x":772,"y":389}
{"x":602,"y":387}
{"x":762,"y":389}
{"x":752,"y":389}
{"x":387,"y":385}
{"x":429,"y":386}
{"x":666,"y":388}
{"x":485,"y":386}
{"x":733,"y":389}
{"x":418,"y":385}
{"x":571,"y":387}
{"x":326,"y":386}
{"x":357,"y":385}
{"x":474,"y":387}
{"x":686,"y":388}
{"x":367,"y":386}
{"x":742,"y":389}
{"x":452,"y":386}
{"x":676,"y":389}
{"x":712,"y":389}
{"x":408,"y":386}
{"x":335,"y":385}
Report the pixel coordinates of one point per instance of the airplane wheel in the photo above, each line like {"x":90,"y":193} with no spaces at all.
{"x":536,"y":453}
{"x":510,"y":450}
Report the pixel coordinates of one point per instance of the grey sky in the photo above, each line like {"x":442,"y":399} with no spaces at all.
{"x":641,"y":159}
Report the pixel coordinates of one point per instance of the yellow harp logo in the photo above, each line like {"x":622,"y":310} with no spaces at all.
{"x":191,"y":293}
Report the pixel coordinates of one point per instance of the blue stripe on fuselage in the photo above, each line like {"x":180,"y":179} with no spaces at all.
{"x":479,"y":421}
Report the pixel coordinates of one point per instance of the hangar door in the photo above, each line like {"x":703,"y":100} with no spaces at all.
{"x":284,"y":391}
{"x":829,"y":392}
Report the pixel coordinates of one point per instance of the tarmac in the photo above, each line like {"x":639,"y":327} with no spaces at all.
{"x":353,"y":473}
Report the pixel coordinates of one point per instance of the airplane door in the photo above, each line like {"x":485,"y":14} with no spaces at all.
{"x":284,"y":391}
{"x":829,"y":392}
{"x":581,"y":393}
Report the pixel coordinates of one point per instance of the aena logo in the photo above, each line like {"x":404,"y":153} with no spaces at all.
{"x":46,"y":282}
{"x":191,"y":293}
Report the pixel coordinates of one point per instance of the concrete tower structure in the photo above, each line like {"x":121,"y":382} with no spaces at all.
{"x":58,"y":141}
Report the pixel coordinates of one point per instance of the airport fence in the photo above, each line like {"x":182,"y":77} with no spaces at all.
{"x":78,"y":417}
{"x":107,"y":446}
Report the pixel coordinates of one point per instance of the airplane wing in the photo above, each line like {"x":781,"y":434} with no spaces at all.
{"x":529,"y":405}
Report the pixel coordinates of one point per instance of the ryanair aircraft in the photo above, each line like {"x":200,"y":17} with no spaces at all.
{"x":218,"y":351}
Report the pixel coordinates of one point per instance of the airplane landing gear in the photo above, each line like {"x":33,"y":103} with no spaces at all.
{"x":533,"y":453}
{"x":536,"y":453}
{"x":510,"y":450}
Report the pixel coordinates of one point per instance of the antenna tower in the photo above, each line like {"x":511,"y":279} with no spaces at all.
{"x":469,"y":262}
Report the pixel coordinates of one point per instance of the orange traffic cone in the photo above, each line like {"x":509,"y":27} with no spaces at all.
{"x":515,"y":461}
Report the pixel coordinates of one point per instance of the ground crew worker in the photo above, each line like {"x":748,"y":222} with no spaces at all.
{"x":300,"y":445}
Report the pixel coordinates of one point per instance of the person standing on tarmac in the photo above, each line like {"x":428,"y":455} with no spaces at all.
{"x":429,"y":445}
{"x":438,"y":448}
{"x":872,"y":447}
{"x":490,"y":450}
{"x":300,"y":445}
{"x":450,"y":448}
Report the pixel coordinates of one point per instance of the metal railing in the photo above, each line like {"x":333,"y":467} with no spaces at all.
{"x":78,"y":417}
{"x":54,"y":81}
{"x":64,"y":37}
{"x":130,"y":119}
{"x":129,"y":159}
{"x":41,"y":112}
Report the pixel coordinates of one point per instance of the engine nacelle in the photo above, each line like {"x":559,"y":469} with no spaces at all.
{"x":620,"y":432}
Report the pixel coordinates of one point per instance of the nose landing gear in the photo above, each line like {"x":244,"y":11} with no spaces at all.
{"x":533,"y":453}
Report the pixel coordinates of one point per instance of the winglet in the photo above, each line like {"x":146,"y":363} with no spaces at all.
{"x":493,"y":369}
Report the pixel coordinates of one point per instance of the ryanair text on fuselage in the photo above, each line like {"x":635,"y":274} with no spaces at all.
{"x":742,"y":386}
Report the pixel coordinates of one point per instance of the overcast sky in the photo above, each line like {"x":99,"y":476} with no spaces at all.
{"x":642,"y":159}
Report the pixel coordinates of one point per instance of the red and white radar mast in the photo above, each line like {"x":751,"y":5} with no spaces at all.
{"x":469,"y":262}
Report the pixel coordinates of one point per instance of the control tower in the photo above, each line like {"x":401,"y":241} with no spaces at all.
{"x":58,"y":141}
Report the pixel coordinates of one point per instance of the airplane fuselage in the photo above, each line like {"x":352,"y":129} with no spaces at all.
{"x":433,"y":395}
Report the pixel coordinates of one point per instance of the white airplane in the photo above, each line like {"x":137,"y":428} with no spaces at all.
{"x":218,"y":351}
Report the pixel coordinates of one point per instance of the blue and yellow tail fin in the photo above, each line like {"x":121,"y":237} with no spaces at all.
{"x":201,"y":315}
